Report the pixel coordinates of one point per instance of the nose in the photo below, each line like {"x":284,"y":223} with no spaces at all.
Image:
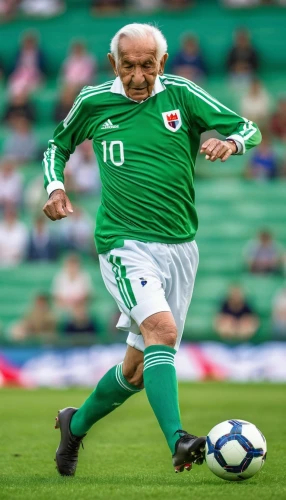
{"x":138,"y":77}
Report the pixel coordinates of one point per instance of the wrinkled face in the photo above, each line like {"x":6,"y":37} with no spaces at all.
{"x":138,"y":66}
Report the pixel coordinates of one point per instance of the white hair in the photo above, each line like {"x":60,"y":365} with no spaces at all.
{"x":137,"y":30}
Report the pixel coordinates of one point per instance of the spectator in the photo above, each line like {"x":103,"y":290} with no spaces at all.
{"x":35,"y":194}
{"x":107,"y":6}
{"x":188,"y":62}
{"x":80,"y":322}
{"x":42,"y":7}
{"x":279,"y":314}
{"x":79,"y":67}
{"x":278,"y":121}
{"x":10,"y":184}
{"x":71,"y":285}
{"x":65,"y":103}
{"x":178,"y":4}
{"x":241,"y":3}
{"x":13,"y":239}
{"x":19,"y":106}
{"x":29,"y":66}
{"x":41,"y":246}
{"x":264,"y":255}
{"x":77,"y":231}
{"x":38,"y":323}
{"x":242,"y":61}
{"x":8,"y":8}
{"x":236,"y":319}
{"x":20,"y":145}
{"x":255,"y":104}
{"x":147,"y":5}
{"x":82,"y":173}
{"x":263,"y":164}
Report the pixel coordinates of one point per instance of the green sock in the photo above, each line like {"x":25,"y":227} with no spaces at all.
{"x":111,"y":391}
{"x":160,"y":381}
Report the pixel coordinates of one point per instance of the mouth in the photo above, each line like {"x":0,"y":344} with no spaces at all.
{"x":138,"y":89}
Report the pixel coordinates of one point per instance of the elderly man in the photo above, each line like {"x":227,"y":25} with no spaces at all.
{"x":145,"y":127}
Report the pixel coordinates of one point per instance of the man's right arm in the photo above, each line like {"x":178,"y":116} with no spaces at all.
{"x":70,"y":132}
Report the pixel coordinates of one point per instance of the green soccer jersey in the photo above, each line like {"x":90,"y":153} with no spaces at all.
{"x":146,"y":154}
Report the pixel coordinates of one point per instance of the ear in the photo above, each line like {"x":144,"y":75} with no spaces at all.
{"x":113,"y":63}
{"x":162,"y":64}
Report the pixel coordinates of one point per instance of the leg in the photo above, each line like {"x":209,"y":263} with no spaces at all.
{"x":160,"y":335}
{"x":112,"y":391}
{"x":133,"y":367}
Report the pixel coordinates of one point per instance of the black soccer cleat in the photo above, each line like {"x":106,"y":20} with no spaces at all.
{"x":67,"y":452}
{"x":189,"y":449}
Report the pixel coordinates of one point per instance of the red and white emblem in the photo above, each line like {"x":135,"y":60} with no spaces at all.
{"x":172,"y":120}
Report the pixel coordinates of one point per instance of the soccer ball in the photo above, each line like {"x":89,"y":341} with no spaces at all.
{"x":235,"y":450}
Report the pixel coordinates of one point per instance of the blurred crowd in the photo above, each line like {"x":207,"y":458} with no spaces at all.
{"x":48,"y":8}
{"x":81,"y":68}
{"x":66,"y":308}
{"x":252,"y":3}
{"x":237,"y":318}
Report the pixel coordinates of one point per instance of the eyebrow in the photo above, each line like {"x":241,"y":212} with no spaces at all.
{"x":125,"y":60}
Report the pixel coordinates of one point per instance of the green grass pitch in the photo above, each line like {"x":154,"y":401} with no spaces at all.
{"x":125,"y":455}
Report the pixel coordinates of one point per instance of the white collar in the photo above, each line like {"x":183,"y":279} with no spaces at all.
{"x":117,"y":88}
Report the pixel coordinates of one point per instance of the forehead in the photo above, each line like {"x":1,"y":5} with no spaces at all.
{"x":142,"y":47}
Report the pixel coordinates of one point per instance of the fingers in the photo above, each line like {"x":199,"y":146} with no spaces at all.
{"x":227,"y":155}
{"x":54,"y":210}
{"x":215,"y":149}
{"x":69,"y":206}
{"x":58,"y":206}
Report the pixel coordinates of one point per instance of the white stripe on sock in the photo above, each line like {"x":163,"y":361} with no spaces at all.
{"x":156,"y":364}
{"x":118,"y":373}
{"x":159,"y":352}
{"x":160,"y":358}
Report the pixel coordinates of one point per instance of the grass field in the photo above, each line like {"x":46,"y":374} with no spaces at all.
{"x":125,"y":455}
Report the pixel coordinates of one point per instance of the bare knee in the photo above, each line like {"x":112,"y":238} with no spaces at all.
{"x":134,"y":374}
{"x":160,"y":328}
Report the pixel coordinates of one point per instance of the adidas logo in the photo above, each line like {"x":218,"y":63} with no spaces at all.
{"x":108,"y":125}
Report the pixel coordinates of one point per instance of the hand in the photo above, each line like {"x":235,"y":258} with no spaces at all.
{"x":58,"y":205}
{"x":215,"y":149}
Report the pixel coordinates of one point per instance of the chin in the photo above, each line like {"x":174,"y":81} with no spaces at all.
{"x":139,"y":97}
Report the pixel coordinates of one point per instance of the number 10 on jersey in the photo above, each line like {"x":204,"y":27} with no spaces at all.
{"x":114,"y":153}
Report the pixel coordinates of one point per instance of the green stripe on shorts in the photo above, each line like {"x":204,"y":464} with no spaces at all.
{"x":126,"y":280}
{"x":115,"y":269}
{"x":123,"y":283}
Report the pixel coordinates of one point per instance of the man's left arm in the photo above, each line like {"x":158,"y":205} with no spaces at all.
{"x":240,"y":133}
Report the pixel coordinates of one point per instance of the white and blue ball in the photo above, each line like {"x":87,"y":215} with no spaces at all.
{"x":235,"y":450}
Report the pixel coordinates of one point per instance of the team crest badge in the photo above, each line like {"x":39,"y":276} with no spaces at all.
{"x":172,"y":120}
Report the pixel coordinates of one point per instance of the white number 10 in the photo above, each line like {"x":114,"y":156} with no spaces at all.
{"x":111,"y":152}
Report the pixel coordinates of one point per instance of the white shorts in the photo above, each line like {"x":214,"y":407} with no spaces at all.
{"x":147,"y":278}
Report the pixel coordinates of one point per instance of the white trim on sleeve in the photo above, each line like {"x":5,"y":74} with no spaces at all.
{"x":239,"y":141}
{"x":54,"y":185}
